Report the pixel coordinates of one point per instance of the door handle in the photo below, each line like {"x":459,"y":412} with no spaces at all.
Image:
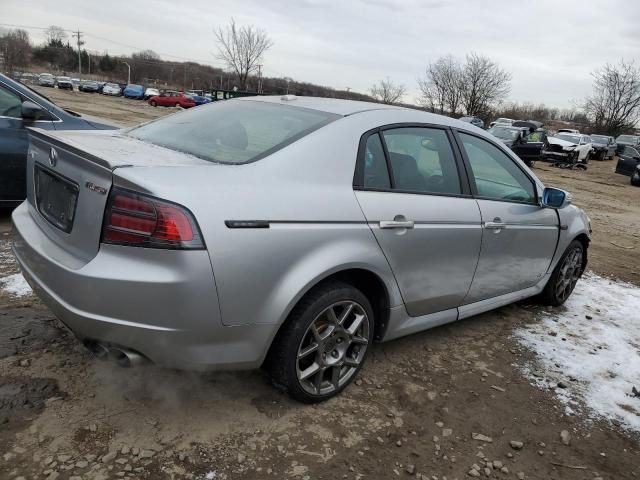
{"x":495,"y":225}
{"x":396,"y":223}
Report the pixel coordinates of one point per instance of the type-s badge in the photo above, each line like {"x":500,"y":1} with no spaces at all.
{"x":96,"y":188}
{"x":53,"y":157}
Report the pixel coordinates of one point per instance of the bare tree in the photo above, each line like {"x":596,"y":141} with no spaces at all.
{"x":16,"y":49}
{"x":614,"y":106}
{"x":55,"y":35}
{"x":441,"y":88}
{"x":388,"y":92}
{"x":484,"y":82}
{"x":242,"y":48}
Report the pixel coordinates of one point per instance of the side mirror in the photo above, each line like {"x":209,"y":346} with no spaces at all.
{"x":31,"y":111}
{"x":555,"y":198}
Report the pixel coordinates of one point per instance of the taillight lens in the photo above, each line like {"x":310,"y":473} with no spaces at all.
{"x":143,"y":221}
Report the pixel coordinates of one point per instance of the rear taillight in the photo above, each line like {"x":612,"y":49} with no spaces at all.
{"x":139,"y":220}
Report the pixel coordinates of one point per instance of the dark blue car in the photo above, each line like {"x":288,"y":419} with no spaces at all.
{"x":133,"y":91}
{"x":20,"y":108}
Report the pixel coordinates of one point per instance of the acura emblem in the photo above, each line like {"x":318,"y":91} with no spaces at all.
{"x":53,"y":157}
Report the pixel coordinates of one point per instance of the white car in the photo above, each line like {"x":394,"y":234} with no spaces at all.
{"x":111,"y":89}
{"x":151,"y":92}
{"x":502,"y":121}
{"x":46,"y":80}
{"x":571,"y":147}
{"x":569,"y":130}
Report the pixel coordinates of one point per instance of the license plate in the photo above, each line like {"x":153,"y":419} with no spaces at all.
{"x":56,"y":198}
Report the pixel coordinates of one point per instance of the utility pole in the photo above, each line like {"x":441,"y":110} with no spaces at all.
{"x":129,"y":74}
{"x":184,"y":83}
{"x":78,"y":36}
{"x":260,"y":78}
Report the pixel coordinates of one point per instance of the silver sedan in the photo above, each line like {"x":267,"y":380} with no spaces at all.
{"x":288,"y":233}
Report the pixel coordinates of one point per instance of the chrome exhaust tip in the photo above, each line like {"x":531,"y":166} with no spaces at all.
{"x":98,"y":349}
{"x":126,"y":358}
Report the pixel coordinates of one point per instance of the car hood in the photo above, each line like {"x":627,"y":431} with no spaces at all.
{"x":560,"y":142}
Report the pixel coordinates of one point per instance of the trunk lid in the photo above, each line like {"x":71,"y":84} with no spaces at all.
{"x":69,"y":176}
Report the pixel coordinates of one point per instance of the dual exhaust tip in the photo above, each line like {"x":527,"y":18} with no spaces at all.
{"x":122,"y":356}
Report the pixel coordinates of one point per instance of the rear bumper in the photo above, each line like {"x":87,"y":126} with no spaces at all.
{"x":160,"y":303}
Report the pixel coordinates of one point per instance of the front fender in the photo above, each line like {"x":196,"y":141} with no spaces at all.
{"x":573,"y":223}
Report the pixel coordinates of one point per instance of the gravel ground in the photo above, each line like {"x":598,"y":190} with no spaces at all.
{"x":451,"y":403}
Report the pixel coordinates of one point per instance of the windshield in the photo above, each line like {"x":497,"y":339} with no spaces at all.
{"x":505,"y":133}
{"x":112,"y":85}
{"x":233,"y":131}
{"x":569,"y":138}
{"x":134,"y":87}
{"x":504,"y":120}
{"x":63,"y":78}
{"x":628,"y":138}
{"x":599,"y":139}
{"x":46,"y":75}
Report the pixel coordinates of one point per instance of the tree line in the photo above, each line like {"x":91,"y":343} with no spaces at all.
{"x":473,"y":86}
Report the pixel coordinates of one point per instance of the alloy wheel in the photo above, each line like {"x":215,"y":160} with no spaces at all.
{"x":569,"y":273}
{"x":332,"y":348}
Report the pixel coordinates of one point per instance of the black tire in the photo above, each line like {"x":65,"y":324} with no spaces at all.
{"x":284,"y":362}
{"x":153,"y":103}
{"x":565,"y":276}
{"x":635,"y":179}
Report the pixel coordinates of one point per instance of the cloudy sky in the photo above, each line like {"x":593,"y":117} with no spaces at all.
{"x":549,"y":46}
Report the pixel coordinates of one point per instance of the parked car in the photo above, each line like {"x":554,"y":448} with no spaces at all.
{"x":172,"y":99}
{"x":89,"y":86}
{"x":478,"y":122}
{"x":198,"y":99}
{"x":530,"y":146}
{"x":21,"y":107}
{"x":112,"y":89}
{"x":101,"y":86}
{"x":630,"y":140}
{"x":603,"y":146}
{"x":628,"y":160}
{"x":569,"y":148}
{"x":151,"y":92}
{"x":569,"y":130}
{"x":502,"y":121}
{"x":64,"y":83}
{"x":46,"y":80}
{"x":155,"y":229}
{"x":133,"y":91}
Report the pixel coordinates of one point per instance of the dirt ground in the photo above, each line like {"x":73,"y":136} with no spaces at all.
{"x":415,"y":412}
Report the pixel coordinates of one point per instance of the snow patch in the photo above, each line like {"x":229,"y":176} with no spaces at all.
{"x":592,"y":346}
{"x":15,"y":285}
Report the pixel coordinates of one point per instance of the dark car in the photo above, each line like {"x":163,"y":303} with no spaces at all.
{"x":630,"y":140}
{"x":603,"y":146}
{"x":64,"y":83}
{"x":527,"y":144}
{"x":628,"y":161}
{"x":21,"y":107}
{"x":89,"y":86}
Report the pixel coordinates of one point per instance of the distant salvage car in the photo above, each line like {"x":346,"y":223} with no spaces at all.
{"x":64,"y":83}
{"x":569,"y":130}
{"x":172,"y":99}
{"x":133,"y":91}
{"x":478,"y":122}
{"x":628,"y":160}
{"x":630,"y":140}
{"x":570,"y":149}
{"x":46,"y":80}
{"x":151,"y":92}
{"x":21,"y":107}
{"x":112,"y":89}
{"x":603,"y":146}
{"x":502,"y":121}
{"x":208,"y":242}
{"x":530,"y":146}
{"x":198,"y":99}
{"x":89,"y":86}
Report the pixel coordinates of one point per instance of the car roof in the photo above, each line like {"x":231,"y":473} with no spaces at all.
{"x":329,"y":105}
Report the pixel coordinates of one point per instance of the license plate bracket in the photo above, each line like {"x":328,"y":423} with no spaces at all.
{"x":56,"y":198}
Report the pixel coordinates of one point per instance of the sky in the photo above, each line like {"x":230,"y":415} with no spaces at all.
{"x":550,"y":47}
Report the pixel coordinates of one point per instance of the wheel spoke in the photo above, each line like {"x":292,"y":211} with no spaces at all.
{"x":359,"y":340}
{"x":335,"y":376}
{"x":345,"y":314}
{"x":315,"y":333}
{"x":355,"y":325}
{"x":308,"y":350}
{"x":331,"y":316}
{"x":311,"y":370}
{"x":350,"y":362}
{"x":317,"y":381}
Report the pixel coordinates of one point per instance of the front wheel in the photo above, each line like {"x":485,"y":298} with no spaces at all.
{"x":565,"y":276}
{"x":635,"y":179}
{"x":153,"y":103}
{"x":324,"y":343}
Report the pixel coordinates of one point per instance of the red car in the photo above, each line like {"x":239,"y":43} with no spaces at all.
{"x":172,"y":99}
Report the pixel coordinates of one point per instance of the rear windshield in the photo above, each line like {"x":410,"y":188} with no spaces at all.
{"x":233,"y":131}
{"x":628,"y":138}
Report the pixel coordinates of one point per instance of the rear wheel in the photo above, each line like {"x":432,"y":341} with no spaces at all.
{"x":324,"y":343}
{"x":635,"y":179}
{"x":565,"y":276}
{"x":153,"y":103}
